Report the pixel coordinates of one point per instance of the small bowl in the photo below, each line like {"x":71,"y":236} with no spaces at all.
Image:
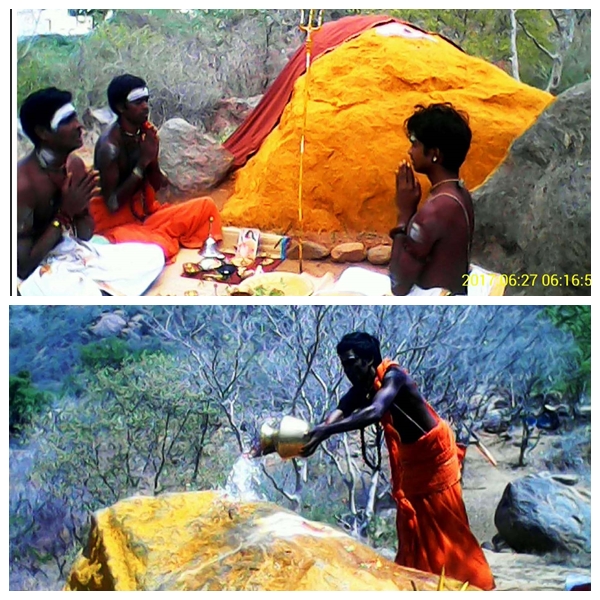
{"x":235,"y":291}
{"x":227,"y":270}
{"x":210,"y":264}
{"x":191,"y":268}
{"x":240,"y":261}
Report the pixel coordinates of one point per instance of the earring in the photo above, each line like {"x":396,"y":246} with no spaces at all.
{"x":434,"y":159}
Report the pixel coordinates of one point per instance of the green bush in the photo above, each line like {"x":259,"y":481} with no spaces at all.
{"x":25,"y":401}
{"x":576,"y":320}
{"x":110,"y":353}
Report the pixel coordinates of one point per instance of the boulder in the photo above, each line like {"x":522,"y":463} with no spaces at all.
{"x":208,"y":541}
{"x":533,"y":214}
{"x":310,"y":251}
{"x":193,"y":161}
{"x":109,"y":325}
{"x":538,"y":514}
{"x":379,"y":255}
{"x":229,"y":114}
{"x":349,"y":252}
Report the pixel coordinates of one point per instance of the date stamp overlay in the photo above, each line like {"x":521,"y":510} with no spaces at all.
{"x":524,"y":280}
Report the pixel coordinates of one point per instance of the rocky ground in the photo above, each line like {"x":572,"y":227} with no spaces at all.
{"x":483,"y":488}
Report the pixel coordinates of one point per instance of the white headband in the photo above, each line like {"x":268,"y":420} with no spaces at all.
{"x":137,"y":94}
{"x":60,"y":115}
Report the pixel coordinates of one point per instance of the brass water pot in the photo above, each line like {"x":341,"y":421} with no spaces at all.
{"x":287,"y":439}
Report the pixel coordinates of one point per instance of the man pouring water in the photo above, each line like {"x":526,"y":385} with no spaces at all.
{"x":432,"y":523}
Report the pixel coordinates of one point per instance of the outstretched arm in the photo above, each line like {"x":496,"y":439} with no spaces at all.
{"x":393,"y":383}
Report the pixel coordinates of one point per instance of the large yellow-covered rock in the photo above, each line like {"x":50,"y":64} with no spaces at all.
{"x":206,"y":541}
{"x":360,"y":95}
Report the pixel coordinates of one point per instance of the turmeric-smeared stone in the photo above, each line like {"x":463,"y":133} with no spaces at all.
{"x":207,"y":541}
{"x":360,"y":94}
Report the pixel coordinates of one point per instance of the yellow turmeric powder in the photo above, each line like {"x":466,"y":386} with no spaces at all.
{"x":359,"y":97}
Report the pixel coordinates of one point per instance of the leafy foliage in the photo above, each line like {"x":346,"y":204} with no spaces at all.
{"x":577,"y":320}
{"x":109,"y":353}
{"x":25,"y":400}
{"x":204,"y":56}
{"x":192,"y":59}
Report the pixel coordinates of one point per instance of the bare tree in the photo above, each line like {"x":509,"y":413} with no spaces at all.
{"x":514,"y":53}
{"x":565,"y":22}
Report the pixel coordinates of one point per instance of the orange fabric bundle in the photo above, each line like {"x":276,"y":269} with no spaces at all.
{"x":170,"y":226}
{"x":432,"y":523}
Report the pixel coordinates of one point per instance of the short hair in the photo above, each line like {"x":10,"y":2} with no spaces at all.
{"x":443,"y":127}
{"x":38,"y":109}
{"x":120,"y":87}
{"x":363,"y":344}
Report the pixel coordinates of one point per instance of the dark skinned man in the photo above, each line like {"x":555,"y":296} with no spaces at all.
{"x":54,"y":225}
{"x":433,"y":528}
{"x":126,"y":157}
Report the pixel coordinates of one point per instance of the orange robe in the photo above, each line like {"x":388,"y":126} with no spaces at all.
{"x":432,"y":523}
{"x":144,"y":219}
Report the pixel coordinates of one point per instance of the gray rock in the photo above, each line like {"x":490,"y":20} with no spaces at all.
{"x":102,"y":116}
{"x":109,"y":325}
{"x":533,"y":216}
{"x":193,"y":162}
{"x":349,"y":252}
{"x":496,"y":421}
{"x":538,"y":514}
{"x":228,"y":114}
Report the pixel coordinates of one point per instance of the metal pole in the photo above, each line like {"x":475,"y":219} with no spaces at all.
{"x":312,"y":23}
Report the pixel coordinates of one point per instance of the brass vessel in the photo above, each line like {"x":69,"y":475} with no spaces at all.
{"x":210,"y":249}
{"x":287,"y":438}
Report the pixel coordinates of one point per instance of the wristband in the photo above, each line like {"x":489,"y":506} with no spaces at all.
{"x":137,"y":171}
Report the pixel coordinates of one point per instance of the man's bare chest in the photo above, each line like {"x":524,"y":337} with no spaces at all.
{"x":128,"y":158}
{"x":47,"y":204}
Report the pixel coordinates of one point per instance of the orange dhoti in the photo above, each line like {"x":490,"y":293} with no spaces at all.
{"x":144,"y":219}
{"x":433,"y":527}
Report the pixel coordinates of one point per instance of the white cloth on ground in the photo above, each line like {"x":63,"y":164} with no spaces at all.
{"x":370,"y":283}
{"x":360,"y":280}
{"x":77,"y":268}
{"x":485,"y":283}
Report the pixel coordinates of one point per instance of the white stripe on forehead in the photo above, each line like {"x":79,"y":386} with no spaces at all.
{"x":60,"y":115}
{"x":137,"y":93}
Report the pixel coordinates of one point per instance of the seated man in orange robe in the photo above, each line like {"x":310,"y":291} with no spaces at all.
{"x":433,"y":528}
{"x":126,"y":157}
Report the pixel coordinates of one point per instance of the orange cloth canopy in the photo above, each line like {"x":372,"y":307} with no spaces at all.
{"x":432,"y":523}
{"x":144,"y":219}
